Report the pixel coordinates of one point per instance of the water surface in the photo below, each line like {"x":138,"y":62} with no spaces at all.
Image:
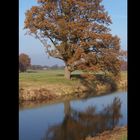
{"x":74,"y":119}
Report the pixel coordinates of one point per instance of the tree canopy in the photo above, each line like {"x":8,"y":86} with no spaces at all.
{"x":24,"y":62}
{"x":78,"y":31}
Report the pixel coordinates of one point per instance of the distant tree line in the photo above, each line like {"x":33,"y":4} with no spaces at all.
{"x":38,"y":67}
{"x":25,"y":63}
{"x":44,"y":67}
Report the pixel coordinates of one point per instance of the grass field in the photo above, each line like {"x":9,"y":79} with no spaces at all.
{"x":45,"y":77}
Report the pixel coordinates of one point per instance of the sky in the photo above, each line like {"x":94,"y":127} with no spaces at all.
{"x":117,"y":9}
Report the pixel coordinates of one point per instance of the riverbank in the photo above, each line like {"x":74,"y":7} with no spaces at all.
{"x":118,"y":133}
{"x":51,"y":85}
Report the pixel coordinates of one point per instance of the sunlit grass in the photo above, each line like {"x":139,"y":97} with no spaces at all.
{"x":42,"y":77}
{"x":45,"y":77}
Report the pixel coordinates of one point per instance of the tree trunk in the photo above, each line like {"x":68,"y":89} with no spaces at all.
{"x":67,"y":73}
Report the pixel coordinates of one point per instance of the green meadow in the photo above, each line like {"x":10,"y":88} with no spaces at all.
{"x":37,"y":78}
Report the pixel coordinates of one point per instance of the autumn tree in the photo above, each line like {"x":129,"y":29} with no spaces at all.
{"x":123,"y":60}
{"x":77,"y":32}
{"x":24,"y":62}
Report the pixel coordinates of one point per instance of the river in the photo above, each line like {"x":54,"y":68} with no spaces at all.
{"x":74,"y":119}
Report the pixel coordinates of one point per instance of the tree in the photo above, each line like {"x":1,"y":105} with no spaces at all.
{"x":78,"y":31}
{"x":24,"y":62}
{"x":123,"y":60}
{"x":124,"y":65}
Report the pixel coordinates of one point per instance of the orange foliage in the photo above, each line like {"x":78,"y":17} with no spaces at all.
{"x":78,"y":31}
{"x":24,"y":62}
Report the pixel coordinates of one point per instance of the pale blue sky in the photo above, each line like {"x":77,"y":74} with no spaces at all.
{"x":117,"y":9}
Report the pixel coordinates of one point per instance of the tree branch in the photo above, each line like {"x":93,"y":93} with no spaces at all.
{"x":52,"y":41}
{"x":55,"y":53}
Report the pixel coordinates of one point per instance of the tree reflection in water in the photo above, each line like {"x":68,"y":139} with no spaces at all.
{"x":77,"y":125}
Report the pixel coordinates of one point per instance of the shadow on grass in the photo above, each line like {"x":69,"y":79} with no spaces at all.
{"x":76,"y":76}
{"x":104,"y":79}
{"x":95,"y":83}
{"x":73,"y":76}
{"x":32,"y":71}
{"x":60,"y":75}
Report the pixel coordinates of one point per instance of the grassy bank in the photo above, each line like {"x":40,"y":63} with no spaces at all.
{"x":45,"y":77}
{"x":115,"y":134}
{"x":51,"y":83}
